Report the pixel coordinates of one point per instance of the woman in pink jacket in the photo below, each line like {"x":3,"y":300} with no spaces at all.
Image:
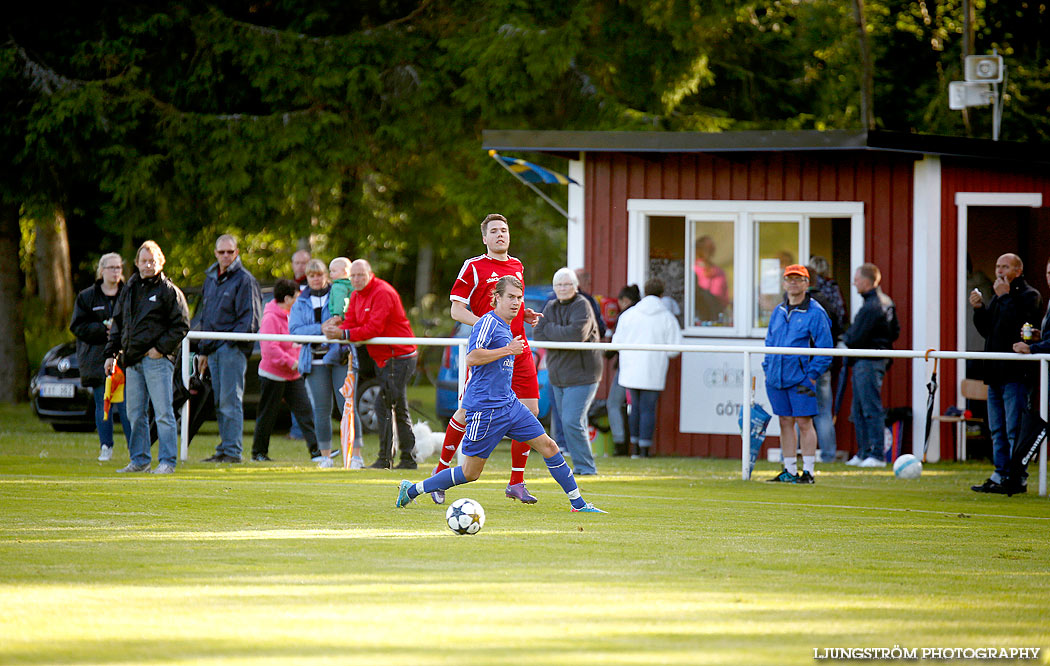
{"x":279,"y":377}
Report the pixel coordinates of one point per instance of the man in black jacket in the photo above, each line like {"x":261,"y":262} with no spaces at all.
{"x":874,"y":327}
{"x":149,"y":323}
{"x":1015,"y":303}
{"x":230,"y":303}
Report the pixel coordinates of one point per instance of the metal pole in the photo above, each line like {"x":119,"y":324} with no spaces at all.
{"x":462,"y":381}
{"x":1043,"y":375}
{"x":745,"y":420}
{"x":184,"y":435}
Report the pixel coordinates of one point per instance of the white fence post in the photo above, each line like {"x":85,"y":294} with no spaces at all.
{"x":184,"y":436}
{"x":745,"y":420}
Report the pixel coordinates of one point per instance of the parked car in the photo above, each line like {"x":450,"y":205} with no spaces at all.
{"x":448,"y":376}
{"x":56,"y":393}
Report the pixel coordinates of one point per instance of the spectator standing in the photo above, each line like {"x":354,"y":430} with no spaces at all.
{"x":149,"y":322}
{"x":616,"y":402}
{"x":376,"y":311}
{"x":791,"y":381}
{"x":644,"y":373}
{"x":1039,"y":345}
{"x":300,"y":259}
{"x":279,"y":377}
{"x":230,"y":303}
{"x":92,"y":319}
{"x":1015,"y":303}
{"x":324,"y":365}
{"x":824,"y":290}
{"x":574,"y":373}
{"x":874,"y":327}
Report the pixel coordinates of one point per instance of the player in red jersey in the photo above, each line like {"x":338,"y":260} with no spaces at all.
{"x":471,"y":298}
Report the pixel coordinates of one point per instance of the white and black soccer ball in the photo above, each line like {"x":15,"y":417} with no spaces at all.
{"x":907,"y":467}
{"x":465,"y":516}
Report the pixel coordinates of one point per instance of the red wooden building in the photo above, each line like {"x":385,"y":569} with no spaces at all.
{"x":679,"y":205}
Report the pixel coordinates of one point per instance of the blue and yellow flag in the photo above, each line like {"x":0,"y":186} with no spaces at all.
{"x":532,"y":173}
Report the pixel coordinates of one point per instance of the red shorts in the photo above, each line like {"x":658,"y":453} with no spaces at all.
{"x":525,"y":385}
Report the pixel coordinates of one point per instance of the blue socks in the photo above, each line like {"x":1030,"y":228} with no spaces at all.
{"x":443,"y":480}
{"x":562,"y":473}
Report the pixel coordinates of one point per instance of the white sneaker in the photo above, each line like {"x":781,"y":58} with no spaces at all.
{"x":855,"y":461}
{"x":105,"y":454}
{"x":325,"y":463}
{"x":872,"y":462}
{"x":357,"y":462}
{"x":164,"y":468}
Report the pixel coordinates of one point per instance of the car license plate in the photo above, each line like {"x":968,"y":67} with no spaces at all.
{"x":57,"y":391}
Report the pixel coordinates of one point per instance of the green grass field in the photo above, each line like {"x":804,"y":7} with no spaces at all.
{"x":285,"y":563}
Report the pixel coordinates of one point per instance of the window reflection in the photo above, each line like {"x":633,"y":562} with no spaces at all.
{"x":776,"y":248}
{"x":713,"y":273}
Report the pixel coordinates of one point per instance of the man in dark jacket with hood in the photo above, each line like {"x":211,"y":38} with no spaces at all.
{"x":230,"y":303}
{"x":1015,"y":303}
{"x":149,"y":323}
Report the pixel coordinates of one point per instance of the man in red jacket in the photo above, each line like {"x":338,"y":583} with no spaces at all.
{"x":375,"y":311}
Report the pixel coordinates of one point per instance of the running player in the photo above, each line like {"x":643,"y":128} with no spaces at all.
{"x":492,"y":408}
{"x":471,"y":298}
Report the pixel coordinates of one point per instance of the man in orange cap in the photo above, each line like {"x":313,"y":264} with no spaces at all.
{"x":791,"y":381}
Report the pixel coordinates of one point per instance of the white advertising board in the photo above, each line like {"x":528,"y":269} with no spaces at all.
{"x":713,"y":389}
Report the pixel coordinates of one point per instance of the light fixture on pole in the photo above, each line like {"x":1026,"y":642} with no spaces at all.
{"x":983,"y":75}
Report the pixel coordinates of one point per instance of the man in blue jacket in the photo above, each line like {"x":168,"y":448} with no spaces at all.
{"x":230,"y":303}
{"x":791,"y":381}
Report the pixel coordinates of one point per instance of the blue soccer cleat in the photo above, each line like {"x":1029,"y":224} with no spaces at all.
{"x":438,"y":496}
{"x":402,"y":494}
{"x":588,"y":508}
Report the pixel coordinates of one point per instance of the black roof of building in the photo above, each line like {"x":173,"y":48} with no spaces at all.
{"x":568,"y":143}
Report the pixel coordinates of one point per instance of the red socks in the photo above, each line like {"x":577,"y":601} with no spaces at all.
{"x":519,"y":455}
{"x":453,"y":436}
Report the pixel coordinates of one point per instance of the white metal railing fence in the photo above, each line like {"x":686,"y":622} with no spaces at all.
{"x":748,"y":352}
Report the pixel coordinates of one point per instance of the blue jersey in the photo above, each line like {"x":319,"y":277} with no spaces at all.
{"x":489,"y":385}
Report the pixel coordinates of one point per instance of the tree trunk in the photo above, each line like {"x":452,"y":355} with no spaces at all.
{"x":867,"y":74}
{"x":14,"y":361}
{"x":54,"y":275}
{"x":424,"y":270}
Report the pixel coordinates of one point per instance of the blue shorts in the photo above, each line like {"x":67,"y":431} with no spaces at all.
{"x":798,"y":400}
{"x":487,"y":427}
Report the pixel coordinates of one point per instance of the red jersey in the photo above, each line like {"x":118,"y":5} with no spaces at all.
{"x":476,"y":281}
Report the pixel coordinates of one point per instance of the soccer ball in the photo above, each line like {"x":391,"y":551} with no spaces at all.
{"x":465,"y":516}
{"x":907,"y":467}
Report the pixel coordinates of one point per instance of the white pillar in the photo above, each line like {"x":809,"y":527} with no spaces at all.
{"x":576,"y":238}
{"x":926,"y":284}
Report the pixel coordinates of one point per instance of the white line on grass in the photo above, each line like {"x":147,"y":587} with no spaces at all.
{"x":818,"y":506}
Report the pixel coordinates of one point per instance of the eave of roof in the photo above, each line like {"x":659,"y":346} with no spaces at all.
{"x":569,"y":143}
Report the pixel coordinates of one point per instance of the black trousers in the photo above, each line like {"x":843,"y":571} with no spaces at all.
{"x":298,"y":400}
{"x":393,"y":408}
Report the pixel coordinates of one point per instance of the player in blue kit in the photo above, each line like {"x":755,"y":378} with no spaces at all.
{"x":493,"y":411}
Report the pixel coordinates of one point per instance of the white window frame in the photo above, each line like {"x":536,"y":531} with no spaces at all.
{"x":745,"y":214}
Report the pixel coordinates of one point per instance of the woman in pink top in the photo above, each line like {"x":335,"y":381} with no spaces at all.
{"x":279,"y":377}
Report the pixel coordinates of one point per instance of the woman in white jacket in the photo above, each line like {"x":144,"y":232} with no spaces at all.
{"x":644,"y":373}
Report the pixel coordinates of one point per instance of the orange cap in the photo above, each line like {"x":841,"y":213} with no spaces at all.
{"x":797,"y":269}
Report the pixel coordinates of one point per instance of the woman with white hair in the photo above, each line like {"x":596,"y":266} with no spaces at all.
{"x":574,"y":373}
{"x":92,"y":318}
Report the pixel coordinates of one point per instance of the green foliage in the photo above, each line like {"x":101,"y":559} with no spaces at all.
{"x":358,"y":126}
